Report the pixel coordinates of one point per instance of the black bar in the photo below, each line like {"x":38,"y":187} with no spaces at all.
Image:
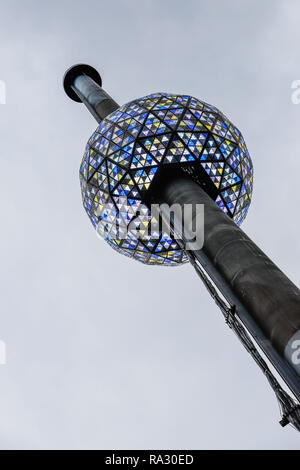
{"x":268,"y":303}
{"x":82,"y":83}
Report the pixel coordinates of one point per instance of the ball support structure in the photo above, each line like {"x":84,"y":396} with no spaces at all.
{"x":176,"y":149}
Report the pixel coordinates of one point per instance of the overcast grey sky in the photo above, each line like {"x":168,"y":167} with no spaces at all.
{"x":104,"y":352}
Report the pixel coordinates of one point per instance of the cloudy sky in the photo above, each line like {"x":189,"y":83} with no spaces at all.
{"x":104,"y":352}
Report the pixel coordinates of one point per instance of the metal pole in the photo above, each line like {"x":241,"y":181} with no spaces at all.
{"x":267,"y":302}
{"x":82,"y":83}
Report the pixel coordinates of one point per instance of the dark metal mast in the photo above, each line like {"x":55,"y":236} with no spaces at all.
{"x":267,"y":302}
{"x":82,"y":83}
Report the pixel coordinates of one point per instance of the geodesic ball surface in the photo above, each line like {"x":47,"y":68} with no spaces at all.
{"x":129,"y":147}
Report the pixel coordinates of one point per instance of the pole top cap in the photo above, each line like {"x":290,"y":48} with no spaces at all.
{"x":75,"y":71}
